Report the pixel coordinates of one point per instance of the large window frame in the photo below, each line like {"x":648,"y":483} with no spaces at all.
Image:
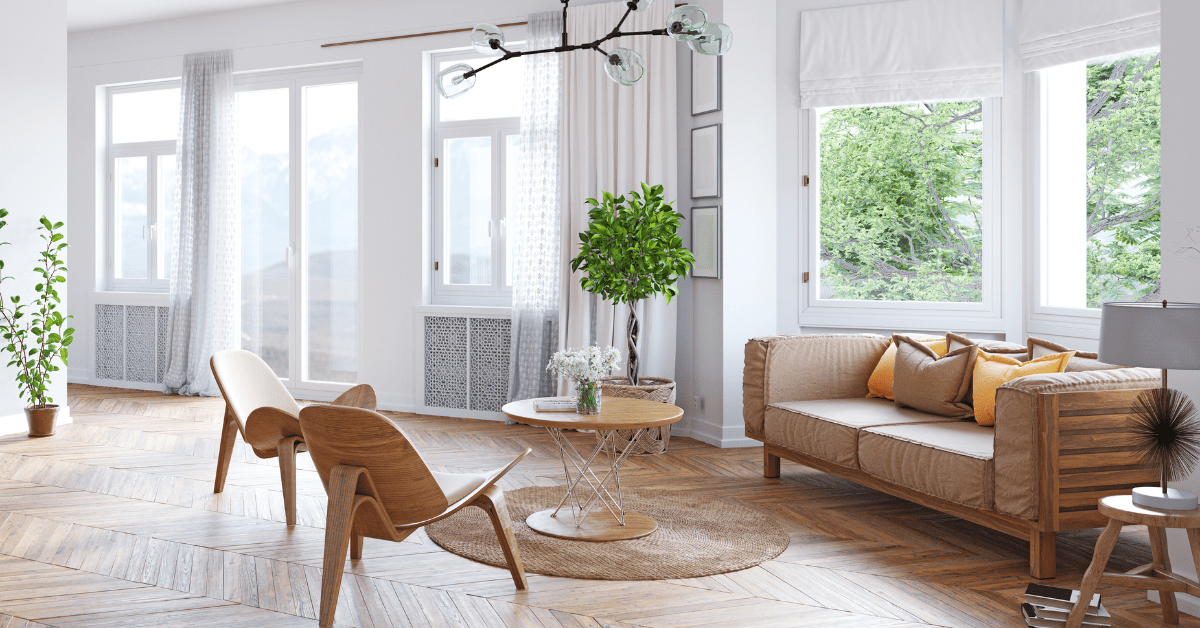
{"x":158,"y":241}
{"x":297,"y":256}
{"x":498,"y":293}
{"x":1079,"y":322}
{"x":984,"y":316}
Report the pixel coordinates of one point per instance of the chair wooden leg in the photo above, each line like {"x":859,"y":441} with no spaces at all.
{"x":770,"y":464}
{"x":1042,"y":560}
{"x":356,"y":543}
{"x":492,"y":501}
{"x":287,"y":475}
{"x":229,"y":433}
{"x":339,"y":519}
{"x":1158,"y":549}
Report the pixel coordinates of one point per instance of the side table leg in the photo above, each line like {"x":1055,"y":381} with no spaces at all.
{"x":1091,"y":578}
{"x":1158,"y":548}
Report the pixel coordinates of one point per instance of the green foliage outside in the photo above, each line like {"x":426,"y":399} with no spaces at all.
{"x":902,"y":202}
{"x":1123,"y":180}
{"x":39,"y":340}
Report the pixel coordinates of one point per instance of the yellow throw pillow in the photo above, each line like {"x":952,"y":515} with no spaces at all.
{"x":993,"y":371}
{"x":880,"y":384}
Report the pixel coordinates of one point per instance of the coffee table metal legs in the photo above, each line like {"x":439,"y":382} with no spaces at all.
{"x":582,"y":500}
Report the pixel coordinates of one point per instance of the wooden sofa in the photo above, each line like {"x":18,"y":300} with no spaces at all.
{"x":1059,"y":444}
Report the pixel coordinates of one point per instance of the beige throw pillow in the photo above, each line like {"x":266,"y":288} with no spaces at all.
{"x":1083,"y":360}
{"x":930,"y":384}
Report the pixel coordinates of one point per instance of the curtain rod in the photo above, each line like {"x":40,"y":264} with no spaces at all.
{"x":456,"y":30}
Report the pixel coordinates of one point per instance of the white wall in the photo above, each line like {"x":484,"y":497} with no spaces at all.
{"x":393,"y":92}
{"x":1180,"y":213}
{"x":33,"y":157}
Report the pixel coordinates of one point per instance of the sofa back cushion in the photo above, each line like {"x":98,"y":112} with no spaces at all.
{"x":931,"y":384}
{"x":1082,"y":362}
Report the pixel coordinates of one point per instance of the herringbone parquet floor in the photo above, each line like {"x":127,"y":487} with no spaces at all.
{"x":113,"y":523}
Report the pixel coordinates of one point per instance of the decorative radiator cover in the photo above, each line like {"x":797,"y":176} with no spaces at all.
{"x":131,"y":343}
{"x":466,"y":362}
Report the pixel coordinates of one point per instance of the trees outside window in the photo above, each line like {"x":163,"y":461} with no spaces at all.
{"x":901,"y":202}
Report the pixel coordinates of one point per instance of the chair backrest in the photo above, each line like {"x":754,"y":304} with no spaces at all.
{"x":362,"y":438}
{"x":247,"y":384}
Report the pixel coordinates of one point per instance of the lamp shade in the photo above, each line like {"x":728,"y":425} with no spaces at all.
{"x":1149,"y":335}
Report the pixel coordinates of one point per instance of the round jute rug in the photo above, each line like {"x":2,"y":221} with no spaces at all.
{"x":697,"y":536}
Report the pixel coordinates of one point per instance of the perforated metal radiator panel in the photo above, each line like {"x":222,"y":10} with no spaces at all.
{"x":466,"y":362}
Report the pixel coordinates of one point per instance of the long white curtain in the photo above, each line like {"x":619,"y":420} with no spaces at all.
{"x":204,"y":258}
{"x":614,"y":139}
{"x":536,"y":221}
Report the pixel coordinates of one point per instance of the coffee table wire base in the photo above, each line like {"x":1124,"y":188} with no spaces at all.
{"x":583,"y":469}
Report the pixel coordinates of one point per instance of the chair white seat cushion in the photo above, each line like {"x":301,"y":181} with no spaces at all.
{"x":457,"y":485}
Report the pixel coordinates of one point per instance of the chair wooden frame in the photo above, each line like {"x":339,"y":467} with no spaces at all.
{"x":272,"y":432}
{"x":359,"y":509}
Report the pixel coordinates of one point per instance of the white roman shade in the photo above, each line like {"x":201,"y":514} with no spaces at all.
{"x":901,"y":52}
{"x":1068,"y":31}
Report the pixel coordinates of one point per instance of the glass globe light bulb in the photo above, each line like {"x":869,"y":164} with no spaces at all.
{"x":451,"y":82}
{"x":642,"y":5}
{"x":625,"y":66}
{"x":717,"y":39}
{"x":483,"y":36}
{"x":686,"y":23}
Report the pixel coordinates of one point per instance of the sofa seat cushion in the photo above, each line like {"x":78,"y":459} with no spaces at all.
{"x":828,"y":429}
{"x":953,"y":461}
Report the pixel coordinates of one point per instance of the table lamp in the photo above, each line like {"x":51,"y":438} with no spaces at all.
{"x":1166,"y":428}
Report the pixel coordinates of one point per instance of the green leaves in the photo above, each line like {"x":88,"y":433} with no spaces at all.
{"x":40,"y":340}
{"x":632,"y":249}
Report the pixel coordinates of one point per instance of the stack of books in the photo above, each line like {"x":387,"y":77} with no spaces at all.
{"x":1048,"y":607}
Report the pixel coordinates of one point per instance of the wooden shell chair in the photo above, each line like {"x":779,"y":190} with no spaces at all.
{"x":379,"y":486}
{"x":259,"y":407}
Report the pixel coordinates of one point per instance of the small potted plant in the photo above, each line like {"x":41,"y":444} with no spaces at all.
{"x":585,"y":367}
{"x":632,"y":251}
{"x":34,"y":333}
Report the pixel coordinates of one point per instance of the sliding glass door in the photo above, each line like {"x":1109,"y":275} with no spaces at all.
{"x":298,"y":151}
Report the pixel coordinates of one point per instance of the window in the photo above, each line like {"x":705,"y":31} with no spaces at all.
{"x":142,"y":129}
{"x":298,"y":148}
{"x":1099,"y":182}
{"x":902,"y":205}
{"x":477,"y":147}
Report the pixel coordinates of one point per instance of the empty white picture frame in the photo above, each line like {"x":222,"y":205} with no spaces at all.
{"x":706,"y":242}
{"x":706,"y":84}
{"x":706,"y":161}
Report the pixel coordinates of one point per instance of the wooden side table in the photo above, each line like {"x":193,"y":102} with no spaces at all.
{"x":1155,"y":576}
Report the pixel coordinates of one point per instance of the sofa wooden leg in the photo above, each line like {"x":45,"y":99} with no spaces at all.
{"x":1041,"y":555}
{"x":770,"y":464}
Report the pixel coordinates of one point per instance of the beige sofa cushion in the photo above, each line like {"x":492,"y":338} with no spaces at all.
{"x":951,"y":460}
{"x":1017,"y":428}
{"x":828,"y":429}
{"x":931,"y":384}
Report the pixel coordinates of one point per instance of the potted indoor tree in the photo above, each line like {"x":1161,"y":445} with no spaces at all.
{"x":34,"y":333}
{"x":632,"y":251}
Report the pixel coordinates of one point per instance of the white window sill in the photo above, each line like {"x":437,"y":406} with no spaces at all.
{"x":115,"y":297}
{"x":465,"y":310}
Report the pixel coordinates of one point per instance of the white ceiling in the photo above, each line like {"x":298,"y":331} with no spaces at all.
{"x":84,"y":15}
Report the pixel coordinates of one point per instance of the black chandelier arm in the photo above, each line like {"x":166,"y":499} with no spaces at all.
{"x":595,"y":45}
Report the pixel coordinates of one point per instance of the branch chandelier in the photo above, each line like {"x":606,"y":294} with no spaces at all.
{"x":625,"y":66}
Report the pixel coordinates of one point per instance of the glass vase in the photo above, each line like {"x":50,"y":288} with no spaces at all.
{"x":588,"y":399}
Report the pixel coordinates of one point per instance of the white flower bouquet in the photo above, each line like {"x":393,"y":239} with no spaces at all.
{"x":585,"y":367}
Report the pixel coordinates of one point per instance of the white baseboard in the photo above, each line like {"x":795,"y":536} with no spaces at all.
{"x":723,"y":436}
{"x":16,"y":423}
{"x":393,"y":402}
{"x":1187,"y":604}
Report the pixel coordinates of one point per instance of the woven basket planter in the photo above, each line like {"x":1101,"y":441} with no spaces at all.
{"x":650,"y":388}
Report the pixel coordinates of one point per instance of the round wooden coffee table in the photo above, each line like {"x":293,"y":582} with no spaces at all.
{"x":616,"y":413}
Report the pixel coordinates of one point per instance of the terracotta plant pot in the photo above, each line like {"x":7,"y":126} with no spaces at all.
{"x":652,"y":388}
{"x":41,"y":420}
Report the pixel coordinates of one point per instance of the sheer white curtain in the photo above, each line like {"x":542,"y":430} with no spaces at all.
{"x":536,"y":221}
{"x":204,"y":258}
{"x":614,"y":139}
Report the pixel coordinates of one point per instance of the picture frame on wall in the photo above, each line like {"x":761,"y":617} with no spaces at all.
{"x":706,"y":161}
{"x":706,"y":242}
{"x":706,"y":84}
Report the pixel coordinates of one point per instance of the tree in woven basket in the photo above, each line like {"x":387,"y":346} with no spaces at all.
{"x":631,"y":251}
